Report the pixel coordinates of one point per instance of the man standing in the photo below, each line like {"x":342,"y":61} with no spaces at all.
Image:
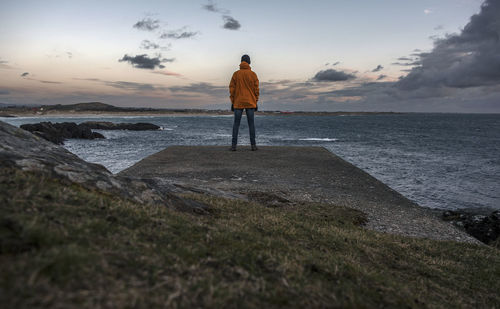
{"x":244,"y":94}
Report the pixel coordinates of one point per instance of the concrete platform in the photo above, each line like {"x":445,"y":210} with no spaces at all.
{"x":295,"y":174}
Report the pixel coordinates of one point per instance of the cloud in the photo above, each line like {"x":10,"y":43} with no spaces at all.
{"x":147,"y":24}
{"x":212,"y":7}
{"x":412,"y":62}
{"x":378,"y":68}
{"x":26,"y":75}
{"x":4,"y":92}
{"x":167,"y":73}
{"x":331,"y":75}
{"x":470,"y":58}
{"x":130,"y":85}
{"x":47,"y":81}
{"x":147,"y":44}
{"x":57,"y":53}
{"x":4,"y":65}
{"x":178,"y":34}
{"x":439,"y":27}
{"x":202,"y":88}
{"x":381,"y":77}
{"x":125,"y":85}
{"x":427,"y":11}
{"x":144,"y":62}
{"x":230,"y":23}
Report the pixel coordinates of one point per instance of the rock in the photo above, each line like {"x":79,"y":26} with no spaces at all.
{"x":106,"y":125}
{"x":486,"y":228}
{"x":58,"y":132}
{"x":20,"y":149}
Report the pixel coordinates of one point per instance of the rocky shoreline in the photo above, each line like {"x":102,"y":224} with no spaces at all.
{"x":22,"y":150}
{"x":106,"y":125}
{"x":25,"y":151}
{"x":58,"y":132}
{"x":486,"y":228}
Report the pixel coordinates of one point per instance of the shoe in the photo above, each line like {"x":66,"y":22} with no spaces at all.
{"x":254,"y":148}
{"x":233,"y":148}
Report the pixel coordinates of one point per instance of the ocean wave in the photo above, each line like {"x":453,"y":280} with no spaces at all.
{"x":318,"y":139}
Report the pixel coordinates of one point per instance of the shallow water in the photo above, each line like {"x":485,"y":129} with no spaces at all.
{"x":441,"y":161}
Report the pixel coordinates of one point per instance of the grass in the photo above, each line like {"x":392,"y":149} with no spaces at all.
{"x":63,"y":246}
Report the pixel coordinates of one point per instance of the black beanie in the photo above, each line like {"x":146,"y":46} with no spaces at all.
{"x":245,"y":58}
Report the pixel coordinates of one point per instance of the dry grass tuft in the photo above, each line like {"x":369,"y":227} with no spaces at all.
{"x":64,"y":246}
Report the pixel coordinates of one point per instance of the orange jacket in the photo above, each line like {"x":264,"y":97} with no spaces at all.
{"x":244,"y":87}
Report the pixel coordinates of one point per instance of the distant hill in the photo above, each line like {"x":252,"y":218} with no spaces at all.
{"x":89,"y":106}
{"x":2,"y":105}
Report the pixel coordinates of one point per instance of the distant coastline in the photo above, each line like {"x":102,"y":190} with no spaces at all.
{"x":98,"y":108}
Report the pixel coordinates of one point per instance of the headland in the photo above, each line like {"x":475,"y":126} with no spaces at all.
{"x":206,"y":227}
{"x":103,"y":109}
{"x":293,"y":175}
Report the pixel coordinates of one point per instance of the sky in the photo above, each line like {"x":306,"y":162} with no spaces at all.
{"x":337,"y":55}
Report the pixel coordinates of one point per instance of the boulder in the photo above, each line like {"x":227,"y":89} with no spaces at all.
{"x":106,"y":125}
{"x":20,"y":149}
{"x":486,"y":228}
{"x":58,"y":132}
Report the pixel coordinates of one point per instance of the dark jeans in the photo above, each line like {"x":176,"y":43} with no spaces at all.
{"x":251,"y":125}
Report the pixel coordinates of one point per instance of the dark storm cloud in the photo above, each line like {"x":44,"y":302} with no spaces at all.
{"x":4,"y":92}
{"x":147,"y":44}
{"x":147,"y":24}
{"x":25,"y":74}
{"x":378,"y":68}
{"x":230,"y":23}
{"x":381,"y":77}
{"x":178,"y":34}
{"x":145,"y":62}
{"x":468,"y":59}
{"x":331,"y":75}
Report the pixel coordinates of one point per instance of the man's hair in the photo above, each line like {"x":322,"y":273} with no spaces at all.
{"x":245,"y":58}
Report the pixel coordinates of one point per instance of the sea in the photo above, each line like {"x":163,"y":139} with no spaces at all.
{"x":440,"y":161}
